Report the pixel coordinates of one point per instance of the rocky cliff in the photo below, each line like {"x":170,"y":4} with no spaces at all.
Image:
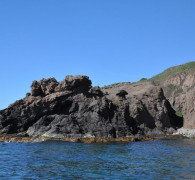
{"x":73,"y":108}
{"x":179,"y":89}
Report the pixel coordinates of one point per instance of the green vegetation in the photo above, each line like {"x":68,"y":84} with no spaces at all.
{"x":179,"y":113}
{"x":143,"y":79}
{"x":173,"y":70}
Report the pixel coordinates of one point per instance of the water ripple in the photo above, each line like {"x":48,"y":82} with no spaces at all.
{"x":160,"y":159}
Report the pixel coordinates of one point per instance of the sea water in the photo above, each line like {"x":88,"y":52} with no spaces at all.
{"x":158,"y":159}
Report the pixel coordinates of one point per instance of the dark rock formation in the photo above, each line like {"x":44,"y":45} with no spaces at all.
{"x":179,"y":89}
{"x":73,"y":109}
{"x":122,"y":94}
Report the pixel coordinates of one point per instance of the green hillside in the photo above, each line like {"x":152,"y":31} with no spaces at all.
{"x":173,"y":70}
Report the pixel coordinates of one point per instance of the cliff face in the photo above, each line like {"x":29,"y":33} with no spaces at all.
{"x":73,"y":108}
{"x":179,"y":89}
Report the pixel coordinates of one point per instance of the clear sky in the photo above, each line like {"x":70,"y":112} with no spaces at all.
{"x":109,"y":40}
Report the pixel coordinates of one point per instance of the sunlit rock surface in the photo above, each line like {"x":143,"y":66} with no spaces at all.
{"x":73,"y":108}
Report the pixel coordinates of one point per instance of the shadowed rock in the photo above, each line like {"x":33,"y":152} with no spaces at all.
{"x":96,"y":91}
{"x":122,"y":94}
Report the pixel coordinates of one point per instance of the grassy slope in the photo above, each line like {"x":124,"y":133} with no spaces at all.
{"x":163,"y":75}
{"x":173,"y":70}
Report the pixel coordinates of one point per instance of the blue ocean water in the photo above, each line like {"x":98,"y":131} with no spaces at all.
{"x":158,"y":159}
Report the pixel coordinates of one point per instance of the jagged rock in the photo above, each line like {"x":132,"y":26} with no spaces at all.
{"x":148,"y":107}
{"x":179,"y":90}
{"x":36,"y":89}
{"x":77,"y":83}
{"x":48,"y":85}
{"x":73,"y":109}
{"x":43,"y":87}
{"x":96,"y":91}
{"x":176,"y":86}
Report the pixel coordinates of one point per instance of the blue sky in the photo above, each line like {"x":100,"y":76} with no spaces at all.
{"x":109,"y":40}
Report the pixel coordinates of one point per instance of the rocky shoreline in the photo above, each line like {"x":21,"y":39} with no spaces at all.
{"x":19,"y":138}
{"x":190,"y":133}
{"x":15,"y":138}
{"x":73,"y":110}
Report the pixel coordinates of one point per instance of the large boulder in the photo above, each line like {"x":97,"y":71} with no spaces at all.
{"x":76,"y":83}
{"x":48,"y":85}
{"x":43,"y":87}
{"x":36,"y":89}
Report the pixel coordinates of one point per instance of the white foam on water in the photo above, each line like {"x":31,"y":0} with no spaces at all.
{"x":185,"y":132}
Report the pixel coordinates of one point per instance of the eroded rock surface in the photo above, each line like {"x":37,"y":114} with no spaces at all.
{"x":179,"y":89}
{"x":73,"y":109}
